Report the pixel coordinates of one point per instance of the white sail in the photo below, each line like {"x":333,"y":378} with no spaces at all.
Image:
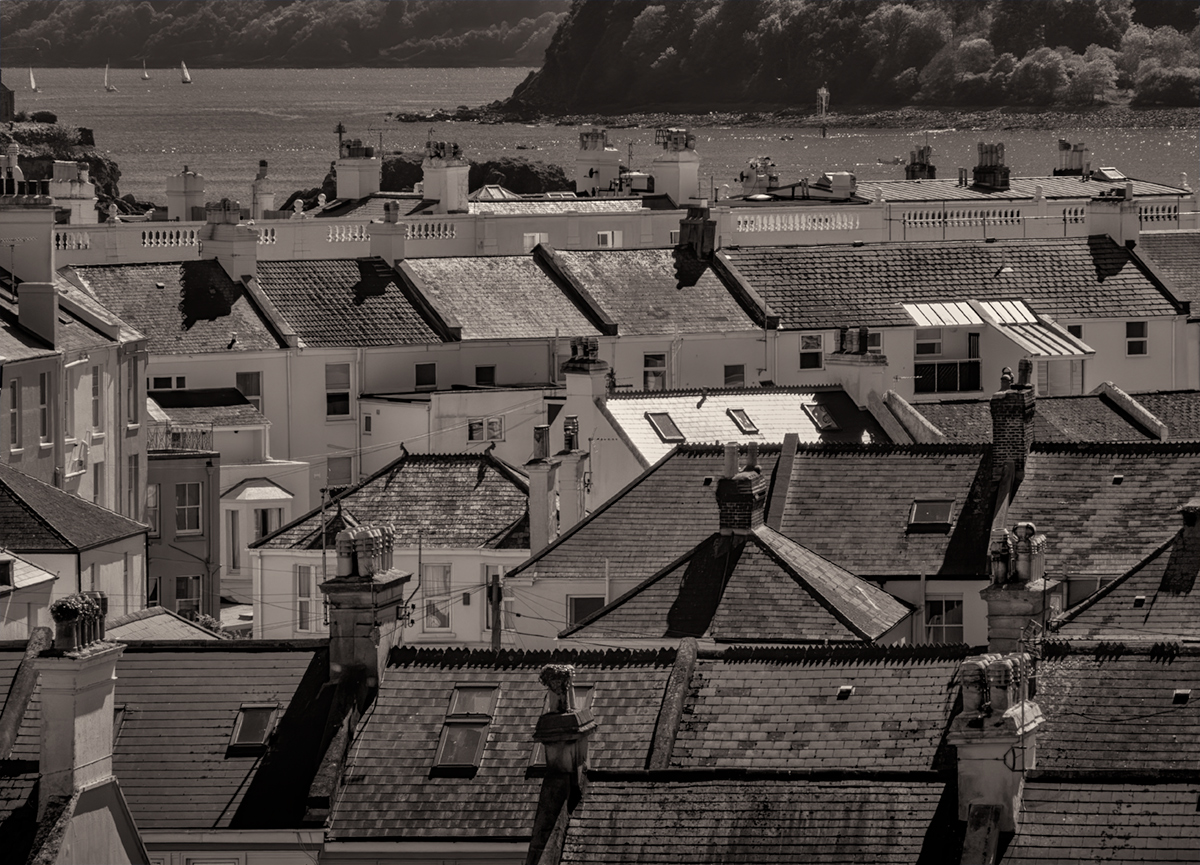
{"x":32,"y":82}
{"x":108,"y":86}
{"x":145,"y":74}
{"x":187,"y":79}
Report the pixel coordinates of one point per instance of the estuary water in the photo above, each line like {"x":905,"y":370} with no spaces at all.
{"x":226,"y":120}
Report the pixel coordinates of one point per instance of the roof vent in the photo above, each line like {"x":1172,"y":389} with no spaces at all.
{"x":159,"y":286}
{"x":845,"y":691}
{"x":1117,"y":480}
{"x":1182,"y":695}
{"x":1139,"y":600}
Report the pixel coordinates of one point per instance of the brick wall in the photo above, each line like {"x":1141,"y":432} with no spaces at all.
{"x":741,"y":500}
{"x":1012,"y":427}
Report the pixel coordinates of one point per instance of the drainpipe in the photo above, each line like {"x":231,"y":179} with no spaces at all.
{"x":358,"y":422}
{"x":209,"y":542}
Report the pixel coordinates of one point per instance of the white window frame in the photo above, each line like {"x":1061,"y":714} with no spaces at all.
{"x":530,"y":239}
{"x":741,"y":375}
{"x":437,"y":598}
{"x":1143,"y":340}
{"x":187,"y":507}
{"x":613,"y":239}
{"x":14,"y":413}
{"x":133,"y":471}
{"x":193,"y":581}
{"x":812,"y":344}
{"x":485,"y":429}
{"x":133,"y":412}
{"x":273,"y":518}
{"x":45,"y":432}
{"x":306,"y":596}
{"x":234,"y":525}
{"x":656,"y":372}
{"x":153,"y":509}
{"x":337,"y":390}
{"x":875,"y":342}
{"x":97,"y":399}
{"x":941,"y":628}
{"x":572,"y":620}
{"x":928,"y":336}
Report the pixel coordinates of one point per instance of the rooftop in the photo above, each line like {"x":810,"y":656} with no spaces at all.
{"x":154,"y":623}
{"x":1176,"y":254}
{"x":219,"y":406}
{"x":37,"y":517}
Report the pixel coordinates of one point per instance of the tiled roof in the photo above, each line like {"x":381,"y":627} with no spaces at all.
{"x":1078,"y":821}
{"x":637,"y":289}
{"x":198,"y":309}
{"x":25,"y":573}
{"x":154,"y":623}
{"x":571,"y":205}
{"x":1156,"y":600}
{"x":1111,"y":707}
{"x":1176,"y":254}
{"x":759,"y":820}
{"x":219,"y":406}
{"x":1020,"y":188}
{"x":1081,"y":418}
{"x":344,"y":302}
{"x":74,"y":333}
{"x":38,"y":517}
{"x":451,"y":500}
{"x":704,"y":416}
{"x":17,"y":343}
{"x":390,"y":790}
{"x":780,"y":709}
{"x":74,"y":294}
{"x":500,"y":297}
{"x":815,"y":287}
{"x":749,"y":588}
{"x":256,"y":490}
{"x":368,"y":208}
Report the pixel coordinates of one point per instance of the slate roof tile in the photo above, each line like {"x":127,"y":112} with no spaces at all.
{"x":541,"y":205}
{"x":947,"y":189}
{"x":636,"y":822}
{"x":344,"y":302}
{"x":219,"y":406}
{"x":1176,"y":254}
{"x":452,"y":500}
{"x":154,"y":623}
{"x":37,"y":516}
{"x":818,"y":287}
{"x":500,"y":297}
{"x":389,"y":790}
{"x":637,"y":289}
{"x":197,"y":310}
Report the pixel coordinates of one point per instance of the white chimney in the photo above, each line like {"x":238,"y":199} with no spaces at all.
{"x":445,"y":176}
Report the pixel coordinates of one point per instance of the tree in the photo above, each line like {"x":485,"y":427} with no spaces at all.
{"x":1039,"y":78}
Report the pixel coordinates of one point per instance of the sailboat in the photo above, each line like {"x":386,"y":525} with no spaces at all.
{"x":145,"y":74}
{"x":187,"y":79}
{"x":32,"y":82}
{"x":110,"y":88}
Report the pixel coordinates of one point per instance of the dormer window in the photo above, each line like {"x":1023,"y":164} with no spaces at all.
{"x":662,"y":424}
{"x":742,"y":421}
{"x":464,"y":733}
{"x":254,"y":724}
{"x":820,"y":416}
{"x":930,"y":515}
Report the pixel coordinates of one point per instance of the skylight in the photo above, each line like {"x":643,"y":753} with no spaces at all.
{"x":665,"y":427}
{"x":930,"y":514}
{"x":465,"y":731}
{"x":820,"y":416}
{"x":253,"y":725}
{"x":741,"y":420}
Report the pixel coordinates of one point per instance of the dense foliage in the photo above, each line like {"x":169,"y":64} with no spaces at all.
{"x":774,"y":53}
{"x":307,"y":33}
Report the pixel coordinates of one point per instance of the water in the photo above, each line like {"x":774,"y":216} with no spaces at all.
{"x":223,"y":123}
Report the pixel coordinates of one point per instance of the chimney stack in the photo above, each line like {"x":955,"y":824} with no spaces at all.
{"x":77,"y":676}
{"x":543,"y":479}
{"x":1013,"y":412}
{"x":262,"y":193}
{"x":1020,"y":592}
{"x":233,"y":245}
{"x":991,"y":173}
{"x":357,"y":170}
{"x":996,"y":743}
{"x":185,"y":196}
{"x":572,"y":476}
{"x":445,"y":176}
{"x":741,"y":497}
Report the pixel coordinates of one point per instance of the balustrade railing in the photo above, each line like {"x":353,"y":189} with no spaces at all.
{"x":960,"y":218}
{"x":169,"y":237}
{"x":431,"y":231}
{"x":752,"y":222}
{"x":65,"y":240}
{"x":173,"y":437}
{"x":1158,"y":213}
{"x":348,"y":233}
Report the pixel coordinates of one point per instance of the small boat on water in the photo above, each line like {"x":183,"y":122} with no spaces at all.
{"x":891,"y":160}
{"x":33,"y":82}
{"x":145,"y":74}
{"x":108,"y":87}
{"x":187,"y":78}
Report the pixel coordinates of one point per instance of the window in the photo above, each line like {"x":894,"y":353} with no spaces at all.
{"x":97,"y":404}
{"x":367,"y":424}
{"x":152,"y":509}
{"x":337,"y":390}
{"x":812,"y":351}
{"x":662,"y":424}
{"x":944,"y":619}
{"x":583,"y":703}
{"x":250,"y":384}
{"x":735,"y":375}
{"x":187,"y":595}
{"x":654,"y":372}
{"x":1136,"y":342}
{"x":253,"y":726}
{"x":166,"y":382}
{"x":875,"y":342}
{"x":235,"y":540}
{"x":531,"y":239}
{"x":609,"y":239}
{"x":580,"y":608}
{"x":266,"y":520}
{"x":338,"y":471}
{"x":953,"y":376}
{"x":133,"y":484}
{"x":1076,"y":330}
{"x":187,"y":509}
{"x":306,"y":592}
{"x":69,"y":386}
{"x":485,"y":376}
{"x":489,"y":429}
{"x":929,"y":341}
{"x":508,"y":619}
{"x":821,"y":416}
{"x":98,"y":483}
{"x":14,"y":413}
{"x":132,"y":412}
{"x":674,"y":237}
{"x":425,"y":376}
{"x":930,"y":515}
{"x":973,"y":346}
{"x":44,"y":406}
{"x":465,"y":730}
{"x":6,"y":573}
{"x":435,"y":582}
{"x":742,"y":420}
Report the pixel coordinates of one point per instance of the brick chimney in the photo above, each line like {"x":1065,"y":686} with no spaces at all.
{"x":996,"y":743}
{"x":1020,"y":592}
{"x":564,"y":731}
{"x":543,"y":477}
{"x":364,"y":600}
{"x":741,"y":495}
{"x":1013,"y":411}
{"x":77,"y":676}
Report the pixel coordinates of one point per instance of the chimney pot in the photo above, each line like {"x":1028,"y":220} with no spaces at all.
{"x":731,"y":459}
{"x":541,"y":442}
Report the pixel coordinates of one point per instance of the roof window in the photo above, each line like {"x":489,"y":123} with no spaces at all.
{"x":1182,"y":695}
{"x":583,"y":703}
{"x":1139,"y":600}
{"x":664,"y":426}
{"x":460,"y":749}
{"x":930,"y":515}
{"x":820,"y":416}
{"x":845,"y":691}
{"x":742,"y":420}
{"x":254,"y":724}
